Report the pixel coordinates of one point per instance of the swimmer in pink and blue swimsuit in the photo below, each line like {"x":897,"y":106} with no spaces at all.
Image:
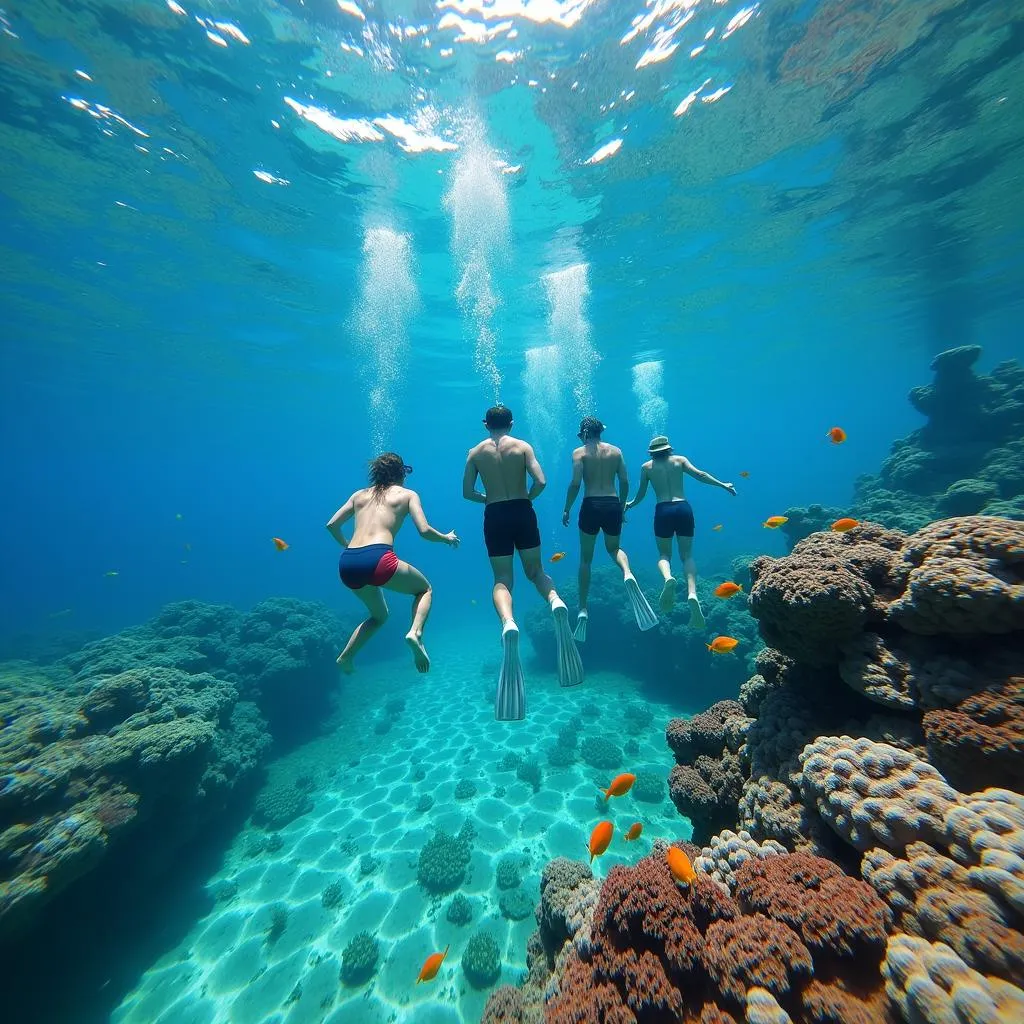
{"x":369,"y":563}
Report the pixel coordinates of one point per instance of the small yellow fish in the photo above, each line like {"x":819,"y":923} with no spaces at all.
{"x":281,"y":545}
{"x":836,"y":435}
{"x":717,"y":527}
{"x":557,"y":556}
{"x":774,"y":522}
{"x":634,"y":831}
{"x":727,"y":589}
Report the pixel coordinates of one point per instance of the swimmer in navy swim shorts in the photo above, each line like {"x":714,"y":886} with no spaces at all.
{"x":673,"y":517}
{"x":502,"y":463}
{"x":369,"y":563}
{"x":599,"y":468}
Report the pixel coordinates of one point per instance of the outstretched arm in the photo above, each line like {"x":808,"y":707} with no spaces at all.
{"x":574,"y":488}
{"x":469,"y":491}
{"x":343,"y":515}
{"x":641,"y":490}
{"x":427,"y":532}
{"x":705,"y":478}
{"x":536,"y":474}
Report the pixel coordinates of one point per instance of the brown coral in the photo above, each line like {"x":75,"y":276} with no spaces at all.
{"x":754,"y":950}
{"x":658,"y":951}
{"x":828,"y":909}
{"x":980,"y":742}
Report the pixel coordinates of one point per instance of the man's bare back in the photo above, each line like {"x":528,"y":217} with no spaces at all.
{"x":378,"y":521}
{"x":502,"y":464}
{"x":668,"y":477}
{"x":601,"y":464}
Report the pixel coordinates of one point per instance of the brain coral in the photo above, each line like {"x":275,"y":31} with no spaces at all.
{"x":728,"y":850}
{"x":962,"y":577}
{"x":874,"y":794}
{"x":985,"y":832}
{"x":932,"y":985}
{"x":932,"y":896}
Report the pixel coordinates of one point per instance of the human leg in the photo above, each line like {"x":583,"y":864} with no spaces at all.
{"x":690,"y":567}
{"x":501,"y":592}
{"x":378,"y":609}
{"x":668,"y":590}
{"x":407,"y":579}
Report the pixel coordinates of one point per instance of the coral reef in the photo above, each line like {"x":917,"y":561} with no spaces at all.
{"x":865,"y":788}
{"x":707,"y":779}
{"x":727,"y":851}
{"x":655,"y":950}
{"x":507,"y":873}
{"x":481,"y":960}
{"x":465,"y":789}
{"x":443,"y":860}
{"x":515,"y":904}
{"x":333,"y":896}
{"x":460,"y":910}
{"x":359,"y":959}
{"x":600,"y":752}
{"x":649,"y":787}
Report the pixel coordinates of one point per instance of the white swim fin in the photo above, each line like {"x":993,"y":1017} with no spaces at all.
{"x":646,"y":616}
{"x":570,"y":667}
{"x":510,"y":698}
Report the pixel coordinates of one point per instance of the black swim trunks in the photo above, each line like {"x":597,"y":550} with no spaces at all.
{"x":601,"y":513}
{"x":673,"y":518}
{"x":510,"y":526}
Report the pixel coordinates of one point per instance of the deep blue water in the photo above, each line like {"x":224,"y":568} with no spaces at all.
{"x":182,"y":336}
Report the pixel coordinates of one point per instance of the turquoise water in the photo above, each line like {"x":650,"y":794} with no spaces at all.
{"x":249,"y":245}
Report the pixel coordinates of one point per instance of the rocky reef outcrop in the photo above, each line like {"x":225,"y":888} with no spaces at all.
{"x":168,"y":722}
{"x":866,"y":793}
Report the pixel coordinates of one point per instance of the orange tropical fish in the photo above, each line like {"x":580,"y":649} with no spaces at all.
{"x":634,"y":831}
{"x":717,"y":527}
{"x":842,"y":525}
{"x":600,"y":838}
{"x":680,"y":866}
{"x":727,"y":589}
{"x":621,"y":785}
{"x":722,"y":644}
{"x":774,"y":522}
{"x":281,"y":545}
{"x":744,"y":474}
{"x":557,"y":556}
{"x":432,"y":965}
{"x":836,"y":435}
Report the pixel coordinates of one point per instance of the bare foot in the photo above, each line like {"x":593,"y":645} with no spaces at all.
{"x":668,"y":596}
{"x":419,"y":652}
{"x":696,"y":615}
{"x":345,"y":664}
